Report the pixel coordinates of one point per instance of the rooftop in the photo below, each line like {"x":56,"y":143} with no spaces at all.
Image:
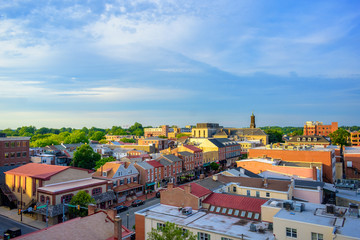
{"x":37,"y":170}
{"x":233,"y":227}
{"x":283,"y":148}
{"x":9,"y":138}
{"x":154,"y":163}
{"x":144,"y":165}
{"x":352,"y":150}
{"x":197,"y":189}
{"x":68,"y":186}
{"x":193,"y":148}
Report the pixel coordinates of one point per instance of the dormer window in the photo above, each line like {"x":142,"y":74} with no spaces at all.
{"x":104,"y":174}
{"x":309,"y":139}
{"x":304,"y":139}
{"x":315,"y":139}
{"x":299,"y":139}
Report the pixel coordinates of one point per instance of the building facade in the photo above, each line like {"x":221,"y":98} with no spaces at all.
{"x":14,"y":150}
{"x":156,"y":132}
{"x":318,"y":128}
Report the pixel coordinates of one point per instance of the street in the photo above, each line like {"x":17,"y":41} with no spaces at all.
{"x":132,"y":210}
{"x":6,"y":223}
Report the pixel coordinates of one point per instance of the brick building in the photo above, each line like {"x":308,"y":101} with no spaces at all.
{"x":355,"y":138}
{"x":325,"y":156}
{"x":317,"y":128}
{"x":352,"y":162}
{"x":155,"y":132}
{"x":159,"y":143}
{"x":14,"y":150}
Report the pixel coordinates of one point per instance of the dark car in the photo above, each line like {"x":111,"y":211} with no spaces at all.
{"x":121,"y":208}
{"x":158,"y":195}
{"x":12,"y":233}
{"x":137,"y":202}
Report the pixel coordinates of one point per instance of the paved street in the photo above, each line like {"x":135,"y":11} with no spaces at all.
{"x":6,"y":223}
{"x":132,"y":210}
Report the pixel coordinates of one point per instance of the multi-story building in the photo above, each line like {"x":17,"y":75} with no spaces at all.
{"x":44,"y":159}
{"x":325,"y":156}
{"x":25,"y":180}
{"x":14,"y":150}
{"x":205,"y":130}
{"x":317,"y":128}
{"x":158,"y":174}
{"x":197,"y":154}
{"x":156,"y":132}
{"x":175,"y":131}
{"x":172,"y":167}
{"x":146,"y":172}
{"x":308,"y":140}
{"x":124,"y":177}
{"x":159,"y":143}
{"x":355,"y":138}
{"x":55,"y":195}
{"x":352,"y":162}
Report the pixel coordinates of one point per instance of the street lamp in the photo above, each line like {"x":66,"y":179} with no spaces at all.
{"x":127,"y":220}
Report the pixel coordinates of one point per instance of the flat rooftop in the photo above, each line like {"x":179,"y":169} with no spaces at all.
{"x":316,"y":214}
{"x":225,"y":225}
{"x":352,"y":150}
{"x":262,"y":160}
{"x":295,"y":149}
{"x":66,"y":186}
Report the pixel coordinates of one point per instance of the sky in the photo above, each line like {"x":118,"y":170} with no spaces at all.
{"x":178,"y":62}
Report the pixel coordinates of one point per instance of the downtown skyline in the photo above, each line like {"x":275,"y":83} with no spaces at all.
{"x":179,"y":63}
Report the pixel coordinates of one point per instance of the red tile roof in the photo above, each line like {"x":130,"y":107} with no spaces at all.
{"x":155,"y":163}
{"x":37,"y":170}
{"x":235,"y":202}
{"x":193,"y":148}
{"x":197,"y":190}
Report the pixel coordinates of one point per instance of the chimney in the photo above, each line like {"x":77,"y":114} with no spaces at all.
{"x":91,"y":209}
{"x":187,"y":188}
{"x":112,"y":213}
{"x":117,"y":228}
{"x":265,"y":182}
{"x":215,"y":177}
{"x":170,"y":186}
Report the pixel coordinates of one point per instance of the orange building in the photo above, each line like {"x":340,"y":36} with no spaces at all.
{"x":317,"y":128}
{"x":155,"y":132}
{"x":311,"y":155}
{"x":352,"y":162}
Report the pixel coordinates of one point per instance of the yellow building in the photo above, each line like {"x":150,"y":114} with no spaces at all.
{"x":25,"y":180}
{"x":205,"y":130}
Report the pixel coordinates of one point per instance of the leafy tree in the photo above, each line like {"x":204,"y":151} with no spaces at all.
{"x":297,"y":132}
{"x":103,"y":141}
{"x":97,"y":136}
{"x":274,"y":135}
{"x":170,"y":231}
{"x":137,"y":129}
{"x":340,"y":137}
{"x":83,"y":199}
{"x":85,"y":157}
{"x":127,"y":140}
{"x":162,"y":136}
{"x":138,"y":132}
{"x":214,"y":166}
{"x":181,"y":135}
{"x":102,"y":161}
{"x":76,"y":136}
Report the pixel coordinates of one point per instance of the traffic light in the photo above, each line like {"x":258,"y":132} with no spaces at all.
{"x":35,"y":207}
{"x":78,"y":207}
{"x":19,"y":211}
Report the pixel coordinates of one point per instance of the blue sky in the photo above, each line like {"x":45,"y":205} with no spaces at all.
{"x":90,"y":63}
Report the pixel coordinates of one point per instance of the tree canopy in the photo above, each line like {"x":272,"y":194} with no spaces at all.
{"x":102,"y":161}
{"x":340,"y":137}
{"x":214,"y":166}
{"x":83,"y":199}
{"x":170,"y":231}
{"x":85,"y":157}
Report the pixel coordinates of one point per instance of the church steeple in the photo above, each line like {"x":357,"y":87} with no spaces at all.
{"x":252,"y":124}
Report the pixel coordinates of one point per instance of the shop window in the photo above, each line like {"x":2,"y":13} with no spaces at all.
{"x":96,"y":191}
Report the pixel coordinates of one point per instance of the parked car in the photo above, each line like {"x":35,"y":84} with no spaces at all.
{"x":12,"y":233}
{"x":137,"y":202}
{"x":158,"y":195}
{"x":121,"y":208}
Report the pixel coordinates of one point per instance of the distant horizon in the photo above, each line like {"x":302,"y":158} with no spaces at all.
{"x":66,"y":63}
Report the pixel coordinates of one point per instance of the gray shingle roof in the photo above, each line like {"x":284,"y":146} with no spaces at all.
{"x":248,"y":131}
{"x":185,"y":153}
{"x":164,"y":162}
{"x":172,"y":158}
{"x":210,"y":184}
{"x":144,"y":165}
{"x":297,"y":139}
{"x":216,"y":143}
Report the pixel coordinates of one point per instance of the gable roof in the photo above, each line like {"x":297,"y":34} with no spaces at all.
{"x":110,"y":168}
{"x":193,"y":148}
{"x":96,"y":226}
{"x":144,"y":165}
{"x":172,"y":158}
{"x":249,"y":131}
{"x":188,"y":154}
{"x":319,"y":139}
{"x":164,"y":162}
{"x":155,"y":163}
{"x":235,"y":202}
{"x":197,"y":190}
{"x":37,"y":170}
{"x":210,"y":184}
{"x":216,"y":143}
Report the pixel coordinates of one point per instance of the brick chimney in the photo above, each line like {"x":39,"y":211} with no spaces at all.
{"x":170,"y":186}
{"x":187,"y":188}
{"x":117,"y":228}
{"x":91,"y":209}
{"x":111,"y":213}
{"x":215,"y":177}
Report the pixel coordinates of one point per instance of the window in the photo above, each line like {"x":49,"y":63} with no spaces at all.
{"x":104,"y":174}
{"x":257,"y":194}
{"x":12,"y":155}
{"x":134,"y":179}
{"x":256,"y":216}
{"x":223,"y":210}
{"x":160,"y":225}
{"x":48,"y":200}
{"x":42,"y":199}
{"x":6,"y":155}
{"x":225,"y":238}
{"x":291,"y":232}
{"x":218,"y":209}
{"x":66,"y":198}
{"x":236,"y":213}
{"x":234,"y":189}
{"x":24,"y":154}
{"x":18,"y":144}
{"x":249,"y":215}
{"x":267,"y":194}
{"x":96,"y":191}
{"x":114,"y":183}
{"x":121,"y":181}
{"x":248,"y":192}
{"x":212,"y":208}
{"x":203,"y":236}
{"x":243,"y":213}
{"x":12,"y":144}
{"x":6,"y":144}
{"x":317,"y":236}
{"x":230,"y":211}
{"x":18,"y":154}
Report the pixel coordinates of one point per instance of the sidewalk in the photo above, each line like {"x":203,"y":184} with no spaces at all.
{"x":13,"y":214}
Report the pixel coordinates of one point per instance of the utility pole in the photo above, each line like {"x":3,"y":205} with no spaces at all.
{"x":47,"y":212}
{"x":21,"y":203}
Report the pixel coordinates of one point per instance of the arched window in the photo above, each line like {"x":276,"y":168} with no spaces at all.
{"x":47,"y":200}
{"x":42,"y":199}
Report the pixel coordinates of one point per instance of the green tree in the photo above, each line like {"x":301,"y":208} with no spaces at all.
{"x":83,"y":199}
{"x":274,"y":135}
{"x":340,"y":137}
{"x":170,"y":231}
{"x":76,"y":136}
{"x":127,"y":140}
{"x":214,"y":166}
{"x":102,"y":161}
{"x":97,"y":136}
{"x":85,"y":157}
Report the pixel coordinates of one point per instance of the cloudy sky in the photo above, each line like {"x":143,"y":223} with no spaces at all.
{"x":90,"y":63}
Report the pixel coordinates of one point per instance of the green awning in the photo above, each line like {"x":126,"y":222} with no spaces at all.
{"x":206,"y":164}
{"x":150,"y":184}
